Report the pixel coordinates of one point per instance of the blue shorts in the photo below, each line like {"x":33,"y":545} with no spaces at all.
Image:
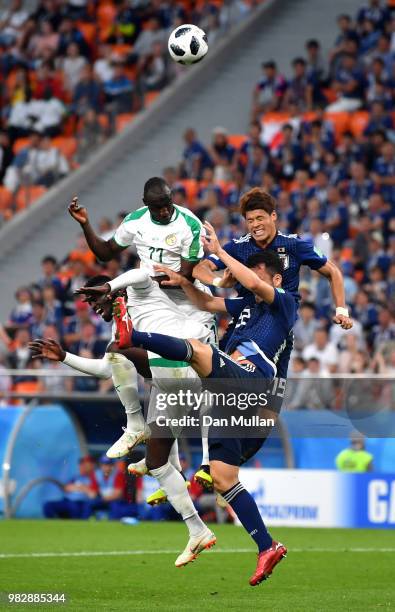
{"x":237,"y":450}
{"x":233,"y":451}
{"x":224,"y":366}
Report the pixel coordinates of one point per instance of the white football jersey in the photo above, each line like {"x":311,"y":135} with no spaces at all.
{"x":162,"y":244}
{"x":167,"y":244}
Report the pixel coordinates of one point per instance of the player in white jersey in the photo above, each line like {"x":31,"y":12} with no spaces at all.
{"x":162,"y":454}
{"x":162,"y":233}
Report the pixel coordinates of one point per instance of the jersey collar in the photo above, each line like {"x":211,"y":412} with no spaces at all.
{"x":173,"y":217}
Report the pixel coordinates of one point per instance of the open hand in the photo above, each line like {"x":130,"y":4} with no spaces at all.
{"x":47,"y":349}
{"x":210,"y":240}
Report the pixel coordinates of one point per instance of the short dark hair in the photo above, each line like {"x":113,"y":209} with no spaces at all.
{"x":156,"y":188}
{"x":49,"y":259}
{"x":269,"y":64}
{"x":312,"y":43}
{"x":99,"y":279}
{"x":256,"y":199}
{"x":299,"y":60}
{"x":271,"y":260}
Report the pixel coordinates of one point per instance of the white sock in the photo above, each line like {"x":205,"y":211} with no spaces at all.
{"x":174,"y":459}
{"x":174,"y":485}
{"x":205,"y":457}
{"x":124,"y":376}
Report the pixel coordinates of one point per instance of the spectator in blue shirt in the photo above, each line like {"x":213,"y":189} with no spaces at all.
{"x":256,"y":166}
{"x":336,"y":223}
{"x":360,"y":187}
{"x":269,"y":91}
{"x":87,"y":93}
{"x":70,"y":34}
{"x":195,"y":156}
{"x":300,"y":87}
{"x":374,"y":12}
{"x":349,"y":82}
{"x":288,"y":157}
{"x":379,"y":119}
{"x":222,"y":153}
{"x":119,"y":92}
{"x":384,"y":172}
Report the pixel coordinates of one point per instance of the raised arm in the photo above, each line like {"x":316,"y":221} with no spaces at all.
{"x":103,"y":249}
{"x":335,"y":278}
{"x":244,"y":275}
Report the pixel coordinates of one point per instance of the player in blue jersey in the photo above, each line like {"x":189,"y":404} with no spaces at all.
{"x":259,"y":210}
{"x":256,"y":347}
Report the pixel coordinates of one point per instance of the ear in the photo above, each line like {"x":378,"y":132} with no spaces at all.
{"x":274,"y":215}
{"x":277,"y":280}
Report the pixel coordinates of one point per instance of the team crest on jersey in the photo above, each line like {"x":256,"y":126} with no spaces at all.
{"x":284,"y":257}
{"x":171,"y":239}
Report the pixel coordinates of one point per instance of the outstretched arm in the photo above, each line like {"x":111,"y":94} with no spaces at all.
{"x":244,"y":275}
{"x":50,"y":349}
{"x":336,"y":281}
{"x":103,"y":249}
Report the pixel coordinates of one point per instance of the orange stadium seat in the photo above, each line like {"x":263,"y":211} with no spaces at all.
{"x":150,"y":97}
{"x":19,"y":144}
{"x":237,"y":140}
{"x":6,"y":198}
{"x":123,"y":120}
{"x":121,"y":50}
{"x":66,"y":145}
{"x":27,"y":195}
{"x":358,"y":122}
{"x":88,"y":31}
{"x":105,"y":18}
{"x":191,"y":187}
{"x":341,"y":122}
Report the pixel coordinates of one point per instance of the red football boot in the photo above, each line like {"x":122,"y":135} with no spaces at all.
{"x":267,"y":561}
{"x":123,"y":324}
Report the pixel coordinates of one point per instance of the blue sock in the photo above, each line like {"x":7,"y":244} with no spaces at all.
{"x":168,"y":347}
{"x":242,"y":502}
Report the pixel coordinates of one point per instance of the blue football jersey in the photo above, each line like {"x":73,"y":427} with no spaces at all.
{"x":262,"y":331}
{"x":292,"y":250}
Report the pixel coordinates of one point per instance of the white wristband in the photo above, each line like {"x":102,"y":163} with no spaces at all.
{"x":217,"y":281}
{"x":342,"y":311}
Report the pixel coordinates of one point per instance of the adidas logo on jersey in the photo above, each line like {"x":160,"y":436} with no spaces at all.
{"x":221,"y":362}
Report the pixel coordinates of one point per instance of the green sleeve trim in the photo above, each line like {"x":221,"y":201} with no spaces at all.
{"x":123,"y":246}
{"x":136,"y":214}
{"x":195,"y":227}
{"x":167,"y":363}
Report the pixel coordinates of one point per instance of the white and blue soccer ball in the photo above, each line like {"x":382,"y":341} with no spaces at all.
{"x":187,"y":44}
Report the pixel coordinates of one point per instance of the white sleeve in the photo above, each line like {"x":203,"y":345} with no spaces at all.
{"x":138,"y":278}
{"x":124,"y":234}
{"x":100,"y":368}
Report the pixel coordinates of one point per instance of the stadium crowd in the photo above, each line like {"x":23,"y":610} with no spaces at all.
{"x":74,"y":72}
{"x":323,"y":144}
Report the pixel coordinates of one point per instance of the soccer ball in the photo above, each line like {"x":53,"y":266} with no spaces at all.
{"x":187,"y":44}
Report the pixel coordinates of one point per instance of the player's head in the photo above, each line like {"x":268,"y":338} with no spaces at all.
{"x":102,"y":305}
{"x":268,"y":266}
{"x":258,"y":208}
{"x":157,"y":196}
